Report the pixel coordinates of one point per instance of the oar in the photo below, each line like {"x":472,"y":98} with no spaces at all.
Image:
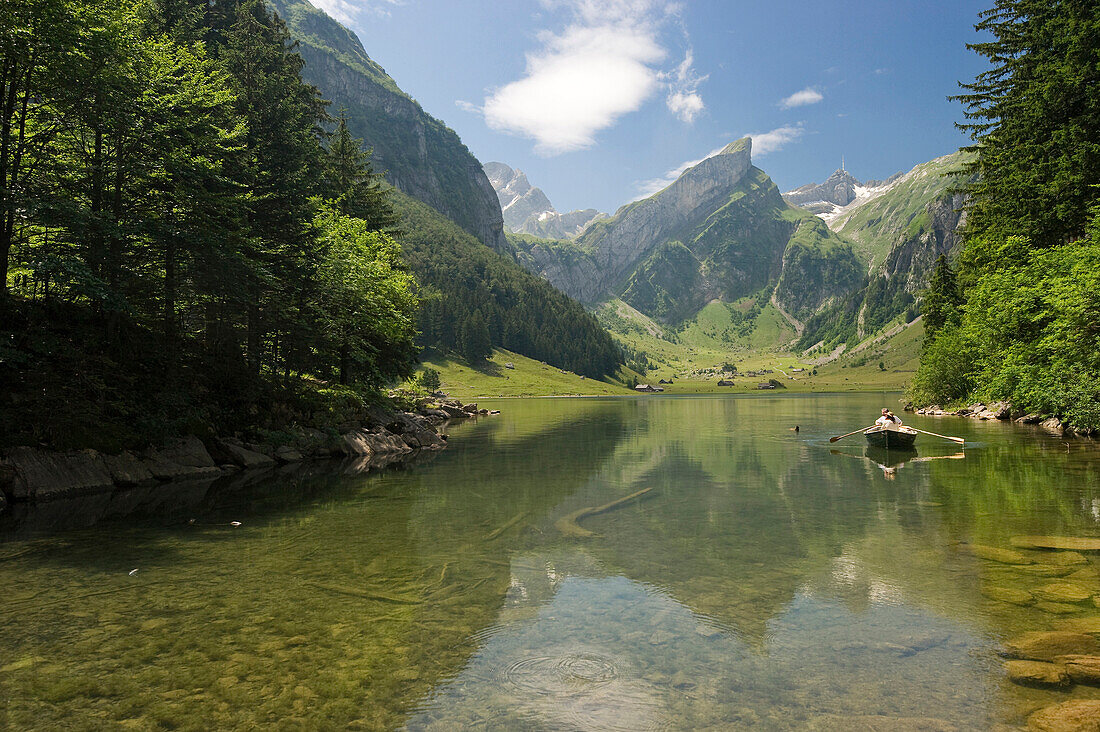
{"x":925,"y":432}
{"x":841,"y":437}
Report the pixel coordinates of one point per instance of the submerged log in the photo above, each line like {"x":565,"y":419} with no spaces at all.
{"x":568,"y":526}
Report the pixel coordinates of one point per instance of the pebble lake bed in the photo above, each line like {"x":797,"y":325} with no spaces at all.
{"x":668,"y":562}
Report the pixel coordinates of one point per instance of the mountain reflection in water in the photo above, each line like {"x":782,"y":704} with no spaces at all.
{"x":756,"y":578}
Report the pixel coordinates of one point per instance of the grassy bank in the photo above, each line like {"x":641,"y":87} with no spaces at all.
{"x":685,"y":366}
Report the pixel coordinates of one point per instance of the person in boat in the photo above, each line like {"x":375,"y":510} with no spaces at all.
{"x":888,"y":419}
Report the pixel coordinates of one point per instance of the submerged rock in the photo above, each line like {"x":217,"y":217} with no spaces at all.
{"x":1066,"y":558}
{"x":1068,"y":543}
{"x":1090,"y":626}
{"x":996,"y":554}
{"x":1037,"y":673}
{"x":1045,"y":570}
{"x":1046,"y":645}
{"x":1062,"y":592}
{"x":1009,"y":595}
{"x":1071,"y":716}
{"x":1057,"y":608}
{"x":1082,"y":669}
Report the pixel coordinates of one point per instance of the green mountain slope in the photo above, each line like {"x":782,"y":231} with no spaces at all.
{"x":419,"y":154}
{"x":721,"y":232}
{"x":876,"y":227}
{"x":522,"y":313}
{"x":901,"y":232}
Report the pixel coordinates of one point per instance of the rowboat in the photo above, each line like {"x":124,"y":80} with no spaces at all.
{"x":891,"y":437}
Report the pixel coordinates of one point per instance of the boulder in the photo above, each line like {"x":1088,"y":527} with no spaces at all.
{"x":384,"y":443}
{"x":1085,"y":575}
{"x":127,"y":469}
{"x":987,"y":414}
{"x":356,"y":444}
{"x":996,"y":554}
{"x":428,"y":438}
{"x":1062,"y":592}
{"x":1067,"y":543}
{"x":1037,"y":673}
{"x":181,"y":459}
{"x":1071,"y":716}
{"x":1046,"y":645}
{"x":1082,"y":669}
{"x":454,"y":412}
{"x":1052,"y":425}
{"x":260,"y":447}
{"x":1032,"y":418}
{"x":231,"y":451}
{"x":287,"y":454}
{"x":471,"y":408}
{"x":1001,"y":410}
{"x":40,"y":474}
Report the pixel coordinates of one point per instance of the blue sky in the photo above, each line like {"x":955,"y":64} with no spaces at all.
{"x":600,"y":101}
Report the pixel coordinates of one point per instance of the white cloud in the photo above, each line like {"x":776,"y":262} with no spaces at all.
{"x":603,"y":65}
{"x":349,"y":11}
{"x":683,"y":93}
{"x":648,"y":187}
{"x":809,"y":95}
{"x":767,"y":142}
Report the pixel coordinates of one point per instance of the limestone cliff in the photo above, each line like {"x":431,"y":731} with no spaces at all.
{"x":419,"y":154}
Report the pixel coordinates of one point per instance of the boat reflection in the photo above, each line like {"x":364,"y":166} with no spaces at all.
{"x":891,"y":460}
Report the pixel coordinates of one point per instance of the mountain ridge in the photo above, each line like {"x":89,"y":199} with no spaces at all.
{"x":720,"y":231}
{"x":527,"y":209}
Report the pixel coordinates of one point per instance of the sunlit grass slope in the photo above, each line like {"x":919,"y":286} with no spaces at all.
{"x":528,"y":378}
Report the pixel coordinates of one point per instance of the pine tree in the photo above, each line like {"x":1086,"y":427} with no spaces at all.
{"x":357,"y":190}
{"x":942,"y":299}
{"x":1035,"y":120}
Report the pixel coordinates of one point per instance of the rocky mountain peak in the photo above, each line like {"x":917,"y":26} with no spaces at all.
{"x":526,"y":208}
{"x":838,"y":189}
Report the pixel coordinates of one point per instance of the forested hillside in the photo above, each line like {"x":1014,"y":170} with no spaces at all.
{"x":451,"y":229}
{"x":474,"y":299}
{"x":181,"y":244}
{"x":1020,"y":319}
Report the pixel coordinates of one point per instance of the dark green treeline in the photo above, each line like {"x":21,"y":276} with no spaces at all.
{"x":167,"y":181}
{"x":1017,"y":317}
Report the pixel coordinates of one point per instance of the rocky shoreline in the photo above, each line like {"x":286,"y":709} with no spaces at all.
{"x":1002,"y":411}
{"x":34,"y":474}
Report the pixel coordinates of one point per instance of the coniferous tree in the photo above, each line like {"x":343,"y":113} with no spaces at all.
{"x":1035,"y":119}
{"x":350,"y":181}
{"x":942,"y":299}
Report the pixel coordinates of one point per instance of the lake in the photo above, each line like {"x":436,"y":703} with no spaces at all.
{"x":754,"y":577}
